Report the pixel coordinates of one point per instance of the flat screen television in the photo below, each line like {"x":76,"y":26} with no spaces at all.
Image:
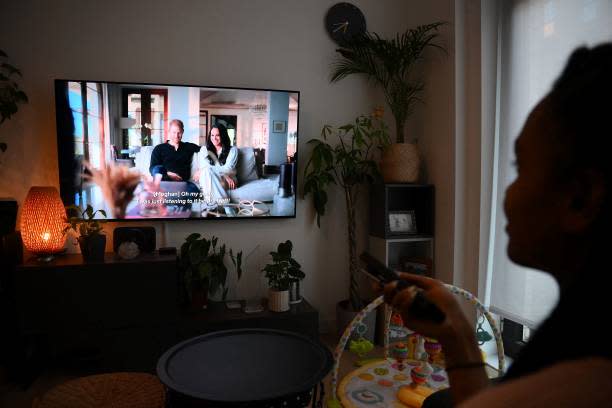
{"x":188,"y":152}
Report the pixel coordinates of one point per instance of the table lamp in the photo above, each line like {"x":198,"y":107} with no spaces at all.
{"x":42,"y":222}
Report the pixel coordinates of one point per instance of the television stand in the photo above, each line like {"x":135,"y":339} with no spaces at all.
{"x":123,"y":314}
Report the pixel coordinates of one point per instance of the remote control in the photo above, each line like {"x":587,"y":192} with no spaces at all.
{"x":421,"y":307}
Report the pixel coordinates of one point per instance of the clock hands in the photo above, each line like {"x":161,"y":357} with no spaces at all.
{"x":341,"y":26}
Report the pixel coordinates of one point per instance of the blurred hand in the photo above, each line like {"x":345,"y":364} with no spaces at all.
{"x":455,"y":322}
{"x":231,"y":184}
{"x":174,"y":176}
{"x":196,"y":176}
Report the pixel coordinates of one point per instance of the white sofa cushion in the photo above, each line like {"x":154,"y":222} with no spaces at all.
{"x":246,"y":169}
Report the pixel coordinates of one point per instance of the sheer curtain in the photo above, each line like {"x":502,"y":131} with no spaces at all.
{"x":535,"y":39}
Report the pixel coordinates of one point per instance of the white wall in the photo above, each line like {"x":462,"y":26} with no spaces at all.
{"x":207,"y":42}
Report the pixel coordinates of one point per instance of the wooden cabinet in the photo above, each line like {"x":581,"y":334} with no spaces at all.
{"x":123,"y":314}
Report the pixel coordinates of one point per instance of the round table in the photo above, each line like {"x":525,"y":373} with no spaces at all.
{"x":244,"y":368}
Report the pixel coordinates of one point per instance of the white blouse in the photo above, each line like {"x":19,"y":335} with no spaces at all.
{"x":227,"y":169}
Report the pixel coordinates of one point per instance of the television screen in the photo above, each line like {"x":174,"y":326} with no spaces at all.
{"x":146,"y":151}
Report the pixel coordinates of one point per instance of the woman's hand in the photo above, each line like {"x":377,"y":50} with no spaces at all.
{"x":454,"y":324}
{"x":196,"y":176}
{"x":455,"y":333}
{"x":231,"y":184}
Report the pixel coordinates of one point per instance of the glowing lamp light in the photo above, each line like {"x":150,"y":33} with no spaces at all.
{"x":42,"y":222}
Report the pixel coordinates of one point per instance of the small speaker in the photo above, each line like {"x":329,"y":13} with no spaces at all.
{"x":144,"y":237}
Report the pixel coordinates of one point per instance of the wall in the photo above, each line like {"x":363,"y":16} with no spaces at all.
{"x":208,"y":42}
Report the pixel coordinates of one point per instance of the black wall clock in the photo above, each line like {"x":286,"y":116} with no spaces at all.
{"x":344,"y":21}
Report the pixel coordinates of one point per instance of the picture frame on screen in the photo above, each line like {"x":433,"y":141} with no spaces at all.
{"x":279,"y":126}
{"x":190,"y":151}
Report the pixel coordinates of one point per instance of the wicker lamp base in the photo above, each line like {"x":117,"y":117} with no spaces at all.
{"x":116,"y":390}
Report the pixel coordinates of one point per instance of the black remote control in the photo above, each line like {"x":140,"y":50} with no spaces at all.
{"x":421,"y":307}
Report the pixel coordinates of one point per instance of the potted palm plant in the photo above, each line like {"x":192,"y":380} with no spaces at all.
{"x":203,"y":266}
{"x":348,"y":164}
{"x":389,"y":63}
{"x":92,"y":240}
{"x":281,"y":273}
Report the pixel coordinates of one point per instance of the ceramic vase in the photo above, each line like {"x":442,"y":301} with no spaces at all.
{"x":278,"y":300}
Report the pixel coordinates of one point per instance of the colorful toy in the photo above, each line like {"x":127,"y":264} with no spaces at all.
{"x":413,"y":397}
{"x":384,"y":383}
{"x":419,"y":375}
{"x":400,"y":353}
{"x":433,"y":349}
{"x":361,"y":347}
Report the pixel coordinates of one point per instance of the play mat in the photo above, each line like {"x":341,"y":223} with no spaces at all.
{"x":379,"y":384}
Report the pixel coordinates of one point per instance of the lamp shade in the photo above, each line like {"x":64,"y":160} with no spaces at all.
{"x":42,"y":221}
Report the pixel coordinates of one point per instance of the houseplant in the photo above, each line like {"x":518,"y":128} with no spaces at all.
{"x":10,"y":98}
{"x":10,"y":93}
{"x":348,"y":164}
{"x":390,"y":64}
{"x":89,"y":229}
{"x":280,"y":274}
{"x":204,"y":270}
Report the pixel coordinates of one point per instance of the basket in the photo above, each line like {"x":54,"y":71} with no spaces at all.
{"x":117,"y":390}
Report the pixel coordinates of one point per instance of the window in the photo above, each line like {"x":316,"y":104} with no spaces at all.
{"x":85,"y":100}
{"x":148,"y":107}
{"x":535,"y":39}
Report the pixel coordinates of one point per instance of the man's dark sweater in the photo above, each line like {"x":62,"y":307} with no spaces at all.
{"x":175,"y":160}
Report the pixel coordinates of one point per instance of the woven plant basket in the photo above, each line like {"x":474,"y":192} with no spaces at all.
{"x":116,"y":390}
{"x":400,"y":163}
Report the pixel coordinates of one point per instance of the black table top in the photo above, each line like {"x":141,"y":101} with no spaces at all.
{"x":244,"y":365}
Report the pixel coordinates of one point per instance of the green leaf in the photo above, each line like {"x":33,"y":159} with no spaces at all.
{"x":195,"y":253}
{"x":192,"y":237}
{"x":10,"y":69}
{"x":284,"y":248}
{"x":205,"y":271}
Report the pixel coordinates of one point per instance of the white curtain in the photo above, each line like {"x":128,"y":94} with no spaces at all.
{"x":536,"y":38}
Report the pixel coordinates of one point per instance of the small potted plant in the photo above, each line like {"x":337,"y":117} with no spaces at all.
{"x":205,"y":273}
{"x":280,"y":274}
{"x":89,"y":230}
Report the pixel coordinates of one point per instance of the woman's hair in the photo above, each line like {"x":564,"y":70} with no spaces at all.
{"x":580,"y":106}
{"x":225,"y":143}
{"x":178,"y":123}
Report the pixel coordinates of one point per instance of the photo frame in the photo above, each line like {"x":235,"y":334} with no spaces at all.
{"x":402,"y":222}
{"x":279,"y":126}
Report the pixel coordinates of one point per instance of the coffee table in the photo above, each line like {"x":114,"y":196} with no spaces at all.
{"x":244,"y":368}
